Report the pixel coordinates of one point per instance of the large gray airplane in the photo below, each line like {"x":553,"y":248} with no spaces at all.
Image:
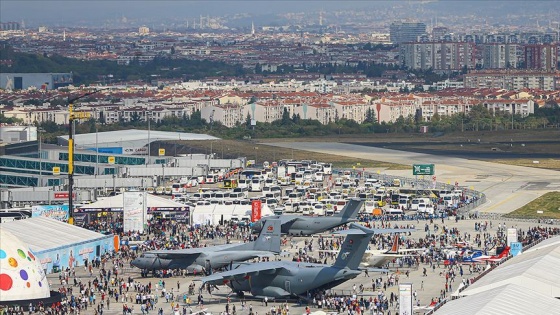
{"x":281,"y":279}
{"x":301,"y":225}
{"x":204,"y":259}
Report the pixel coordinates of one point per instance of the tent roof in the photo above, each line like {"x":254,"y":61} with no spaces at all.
{"x":553,"y":241}
{"x":506,"y":300}
{"x":116,"y":202}
{"x":536,"y":270}
{"x":48,"y":233}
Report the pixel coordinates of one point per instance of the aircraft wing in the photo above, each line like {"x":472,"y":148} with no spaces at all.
{"x":246,"y":271}
{"x":377,"y":231}
{"x":188,"y":252}
{"x":408,"y":250}
{"x":375,"y":269}
{"x":385,"y":231}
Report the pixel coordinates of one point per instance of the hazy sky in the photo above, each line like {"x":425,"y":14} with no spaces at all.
{"x":31,"y":10}
{"x":72,"y":12}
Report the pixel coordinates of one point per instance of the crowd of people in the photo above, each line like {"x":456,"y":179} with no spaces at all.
{"x":108,"y":279}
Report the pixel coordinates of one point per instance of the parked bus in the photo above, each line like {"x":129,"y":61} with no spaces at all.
{"x":256,"y":184}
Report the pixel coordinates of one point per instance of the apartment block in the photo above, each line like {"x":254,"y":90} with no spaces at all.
{"x":512,"y":79}
{"x":499,"y":56}
{"x":540,"y":57}
{"x":517,"y":107}
{"x":438,"y":55}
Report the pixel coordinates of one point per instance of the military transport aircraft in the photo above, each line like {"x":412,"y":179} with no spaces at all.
{"x":301,"y":225}
{"x":277,"y":279}
{"x":204,"y":259}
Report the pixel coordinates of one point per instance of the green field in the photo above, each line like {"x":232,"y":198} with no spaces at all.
{"x":548,"y":203}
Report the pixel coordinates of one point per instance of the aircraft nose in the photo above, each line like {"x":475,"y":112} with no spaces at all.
{"x":140,"y":262}
{"x":135,"y":262}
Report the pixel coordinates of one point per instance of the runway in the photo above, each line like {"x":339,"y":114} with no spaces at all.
{"x":507,"y":187}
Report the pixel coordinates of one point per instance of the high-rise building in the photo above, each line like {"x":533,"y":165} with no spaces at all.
{"x":438,"y":55}
{"x":10,"y":26}
{"x":499,"y":56}
{"x":439,"y":32}
{"x":402,"y":32}
{"x":540,"y":57}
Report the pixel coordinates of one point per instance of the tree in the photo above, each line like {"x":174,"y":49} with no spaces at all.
{"x":9,"y":120}
{"x":296,"y":118}
{"x":286,"y":117}
{"x":418,"y":116}
{"x":370,"y":116}
{"x":134,"y":118}
{"x":248,"y":121}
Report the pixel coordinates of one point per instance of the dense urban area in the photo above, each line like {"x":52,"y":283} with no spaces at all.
{"x":324,"y":76}
{"x":390,"y":157}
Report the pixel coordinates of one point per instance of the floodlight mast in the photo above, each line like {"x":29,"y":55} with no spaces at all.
{"x":71,"y":118}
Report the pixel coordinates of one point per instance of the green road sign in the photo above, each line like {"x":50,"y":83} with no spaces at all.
{"x":423,"y":169}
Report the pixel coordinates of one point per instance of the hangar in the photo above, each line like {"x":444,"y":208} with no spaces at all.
{"x":58,"y":245}
{"x":128,"y":141}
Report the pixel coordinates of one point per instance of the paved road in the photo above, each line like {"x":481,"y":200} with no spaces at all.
{"x":507,"y":187}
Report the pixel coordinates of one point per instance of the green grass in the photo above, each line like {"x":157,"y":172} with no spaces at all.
{"x":549,"y":203}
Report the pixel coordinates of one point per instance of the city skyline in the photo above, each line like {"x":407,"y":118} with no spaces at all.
{"x":69,"y":13}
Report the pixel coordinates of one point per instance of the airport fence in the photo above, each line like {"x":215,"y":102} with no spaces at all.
{"x":502,"y":217}
{"x":475,"y":198}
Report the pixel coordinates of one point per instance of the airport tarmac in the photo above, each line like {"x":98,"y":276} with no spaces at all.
{"x":426,"y":287}
{"x":507,"y":187}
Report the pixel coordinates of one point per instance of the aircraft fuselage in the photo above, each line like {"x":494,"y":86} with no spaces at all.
{"x":294,"y":281}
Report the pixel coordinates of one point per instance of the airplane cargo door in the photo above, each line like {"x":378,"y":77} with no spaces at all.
{"x":287,"y":286}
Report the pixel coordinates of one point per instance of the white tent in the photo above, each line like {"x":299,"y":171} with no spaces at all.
{"x":49,"y":233}
{"x":214,"y":213}
{"x":532,"y":276}
{"x":115,"y":203}
{"x":509,"y":299}
{"x":536,"y":270}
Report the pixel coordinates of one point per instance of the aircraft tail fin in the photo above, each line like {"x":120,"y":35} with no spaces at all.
{"x":353,"y":247}
{"x":269,"y":237}
{"x":351,"y":209}
{"x":504,"y":253}
{"x":395,"y":248}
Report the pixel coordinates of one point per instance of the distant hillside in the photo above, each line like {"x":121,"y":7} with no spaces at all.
{"x":87,"y":72}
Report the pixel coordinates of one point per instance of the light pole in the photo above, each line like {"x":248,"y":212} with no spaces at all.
{"x":149,"y":116}
{"x":71,"y":118}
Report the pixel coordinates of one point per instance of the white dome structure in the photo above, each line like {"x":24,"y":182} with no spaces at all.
{"x":21,"y":275}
